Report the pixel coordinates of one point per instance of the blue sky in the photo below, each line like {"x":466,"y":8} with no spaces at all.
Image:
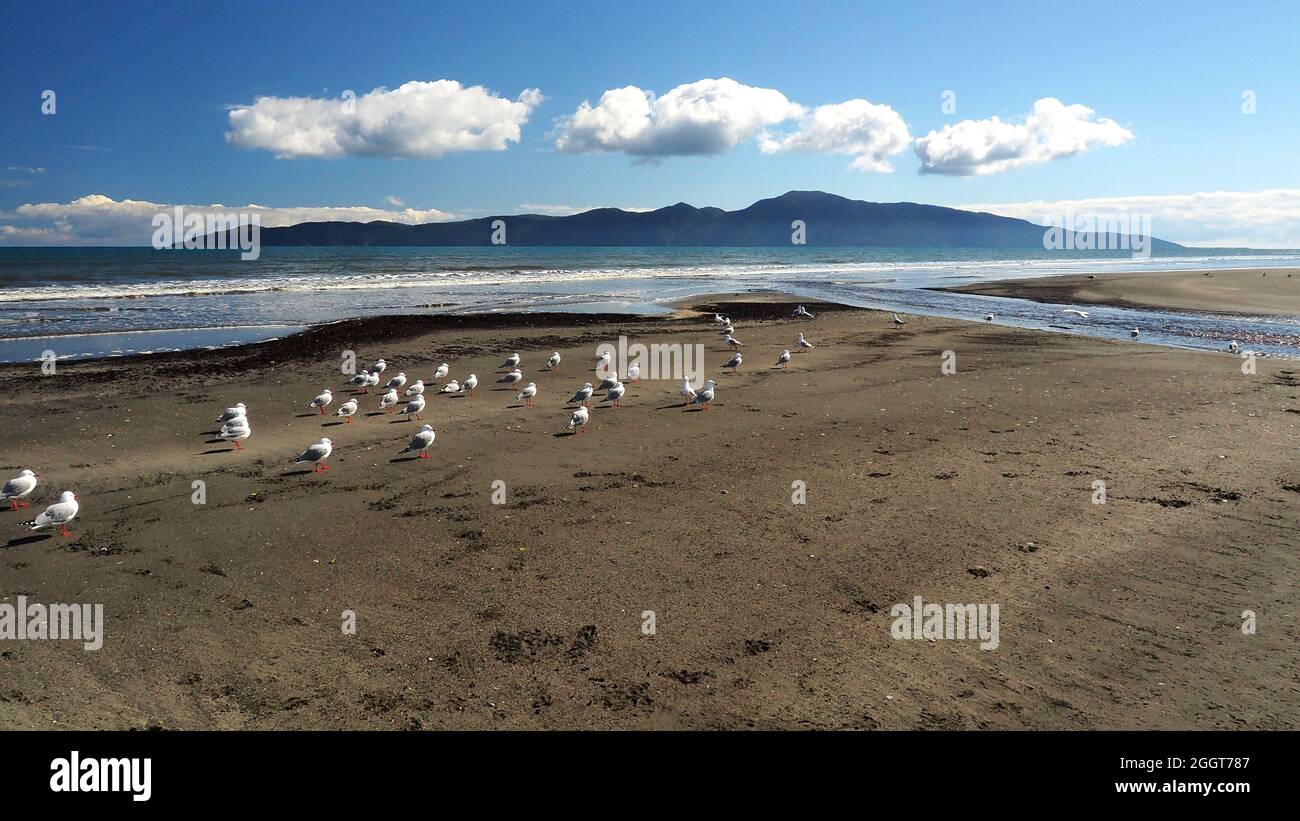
{"x":144,"y":94}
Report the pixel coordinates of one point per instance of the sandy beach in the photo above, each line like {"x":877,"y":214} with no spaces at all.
{"x":970,"y":487}
{"x":1240,"y":291}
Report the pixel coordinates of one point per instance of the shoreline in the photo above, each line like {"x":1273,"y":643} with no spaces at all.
{"x":1226,"y":291}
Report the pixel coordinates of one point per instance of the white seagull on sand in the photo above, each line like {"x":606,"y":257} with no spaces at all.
{"x":442,"y":372}
{"x":347,"y":410}
{"x":396,"y":382}
{"x":372,"y":380}
{"x":705,"y":396}
{"x":416,"y":389}
{"x":800,"y":311}
{"x":388,"y":402}
{"x":615,"y":395}
{"x":803,"y":343}
{"x":988,"y":318}
{"x":421,"y":441}
{"x":897,"y":321}
{"x":608,"y":382}
{"x":326,"y":397}
{"x":514,"y":376}
{"x":468,"y":386}
{"x":553,"y":361}
{"x":359,"y":381}
{"x":59,"y":513}
{"x":378,"y":367}
{"x":414,"y":408}
{"x":316,"y":454}
{"x":687,"y":391}
{"x":727,"y":331}
{"x":634,"y":372}
{"x":233,"y":413}
{"x":512,"y":361}
{"x":734,"y":362}
{"x":17,"y":488}
{"x":527,"y":394}
{"x":584,"y":393}
{"x":1232,"y":346}
{"x":579,"y":419}
{"x":784,"y":359}
{"x":234,"y":431}
{"x":451,"y":387}
{"x":603,"y":360}
{"x":732,"y":341}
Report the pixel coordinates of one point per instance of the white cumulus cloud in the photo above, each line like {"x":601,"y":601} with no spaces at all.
{"x":1051,"y":131}
{"x":870,"y":132}
{"x":416,"y":119}
{"x":705,"y":117}
{"x":100,"y":220}
{"x":1254,"y":219}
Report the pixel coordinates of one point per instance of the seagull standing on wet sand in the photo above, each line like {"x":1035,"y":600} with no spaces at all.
{"x":396,"y":382}
{"x":527,"y":394}
{"x":59,"y":513}
{"x":372,"y":380}
{"x":784,"y":359}
{"x":414,"y":408}
{"x":316,"y":454}
{"x":468,"y":386}
{"x":688,"y":392}
{"x":347,"y":410}
{"x":634,"y":372}
{"x":451,"y":387}
{"x":378,"y":367}
{"x":359,"y":381}
{"x":734,"y":362}
{"x":603,"y":360}
{"x":732,"y":341}
{"x":388,"y":401}
{"x":512,"y":361}
{"x":511,"y":378}
{"x":988,"y":318}
{"x":326,"y":397}
{"x":579,"y":419}
{"x":233,"y":413}
{"x":441,"y":373}
{"x":803,"y":343}
{"x":616,"y":394}
{"x":705,"y":396}
{"x":234,"y":431}
{"x":553,"y":361}
{"x":421,"y":441}
{"x":18,"y":488}
{"x":416,"y":389}
{"x":584,"y":393}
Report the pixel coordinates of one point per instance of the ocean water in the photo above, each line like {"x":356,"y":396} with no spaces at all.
{"x":81,"y":302}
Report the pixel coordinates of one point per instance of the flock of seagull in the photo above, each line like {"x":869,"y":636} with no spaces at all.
{"x":235,"y":426}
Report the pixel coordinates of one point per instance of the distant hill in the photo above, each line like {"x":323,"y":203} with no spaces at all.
{"x":830,"y":220}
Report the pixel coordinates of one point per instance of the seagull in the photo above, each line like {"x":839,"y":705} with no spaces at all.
{"x":732,"y":341}
{"x":511,"y":361}
{"x":451,"y":387}
{"x":784,"y":359}
{"x":414,"y":408}
{"x":234,"y":432}
{"x":634,"y":372}
{"x":372,"y":380}
{"x":1232,"y":348}
{"x":347,"y":410}
{"x":59,"y":513}
{"x":396,"y":382}
{"x":584,"y":393}
{"x":579,"y":419}
{"x":603,"y":360}
{"x":1134,"y":333}
{"x":727,"y":331}
{"x":468,"y":386}
{"x":416,"y":389}
{"x":615,"y":395}
{"x":688,"y":392}
{"x":705,"y":396}
{"x":988,"y":318}
{"x":388,"y":401}
{"x":1076,"y":312}
{"x":608,"y":382}
{"x":803,"y":343}
{"x":897,"y":321}
{"x":553,"y":361}
{"x":718,"y":320}
{"x":734,"y":362}
{"x":441,"y":373}
{"x":514,"y":376}
{"x":800,"y":311}
{"x":326,"y":397}
{"x":233,"y":413}
{"x":378,"y":367}
{"x":316,"y":454}
{"x":527,"y":394}
{"x":359,"y":381}
{"x":421,"y":441}
{"x":18,"y":487}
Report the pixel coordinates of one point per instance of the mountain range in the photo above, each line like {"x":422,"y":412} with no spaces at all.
{"x":828,"y":220}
